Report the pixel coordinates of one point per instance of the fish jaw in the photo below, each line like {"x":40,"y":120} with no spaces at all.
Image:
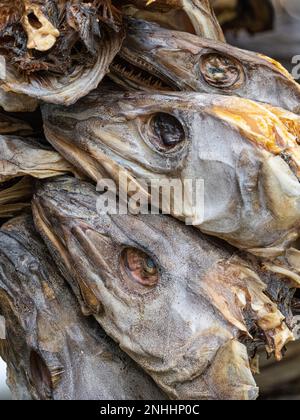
{"x":180,"y":61}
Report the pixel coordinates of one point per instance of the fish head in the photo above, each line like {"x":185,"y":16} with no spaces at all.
{"x":162,"y":310}
{"x":52,"y":350}
{"x":241,"y":157}
{"x":154,"y":58}
{"x":33,"y":33}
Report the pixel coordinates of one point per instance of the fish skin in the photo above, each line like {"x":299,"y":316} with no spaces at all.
{"x":194,"y":16}
{"x":251,"y":189}
{"x":179,"y":330}
{"x":41,"y":63}
{"x":178,"y":58}
{"x":45,"y":330}
{"x":23,"y":157}
{"x":27,"y":156}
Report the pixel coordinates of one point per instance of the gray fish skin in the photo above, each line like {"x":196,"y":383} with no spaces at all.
{"x":51,"y":349}
{"x":172,"y":322}
{"x":183,"y":61}
{"x":247,"y":156}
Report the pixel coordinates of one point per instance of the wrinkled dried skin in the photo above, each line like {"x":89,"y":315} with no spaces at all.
{"x":194,"y":16}
{"x":247,"y":155}
{"x":21,"y":156}
{"x":153,"y":58}
{"x":15,"y":194}
{"x":125,"y":268}
{"x":58,"y":51}
{"x":51,"y":350}
{"x":253,"y":15}
{"x":12,"y":102}
{"x":15,"y":197}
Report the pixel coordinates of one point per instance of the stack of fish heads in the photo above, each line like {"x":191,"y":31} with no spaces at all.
{"x":247,"y":154}
{"x":181,"y":319}
{"x":186,"y":309}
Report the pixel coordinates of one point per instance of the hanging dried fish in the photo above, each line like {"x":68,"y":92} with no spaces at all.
{"x":57,"y":51}
{"x":125,"y":268}
{"x":194,"y":16}
{"x":51,"y":350}
{"x":247,"y":156}
{"x":153,"y":58}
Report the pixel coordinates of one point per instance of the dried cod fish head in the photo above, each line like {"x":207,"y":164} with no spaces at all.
{"x":180,"y":319}
{"x":153,"y":58}
{"x":57,"y":51}
{"x":247,"y":156}
{"x":51,"y":350}
{"x":194,"y":16}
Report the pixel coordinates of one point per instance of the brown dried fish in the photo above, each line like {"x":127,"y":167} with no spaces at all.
{"x":57,"y":51}
{"x":153,"y":58}
{"x":51,"y":350}
{"x":180,"y":319}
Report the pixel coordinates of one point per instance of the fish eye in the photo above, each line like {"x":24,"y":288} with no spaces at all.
{"x":40,"y":376}
{"x":166,"y":131}
{"x":139,"y":268}
{"x":221,"y":71}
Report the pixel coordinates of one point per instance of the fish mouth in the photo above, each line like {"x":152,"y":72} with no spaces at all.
{"x":135,"y":72}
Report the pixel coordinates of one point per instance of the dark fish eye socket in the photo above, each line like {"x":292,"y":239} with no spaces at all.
{"x":166,"y":131}
{"x":221,"y":71}
{"x":139,"y":268}
{"x":40,"y":376}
